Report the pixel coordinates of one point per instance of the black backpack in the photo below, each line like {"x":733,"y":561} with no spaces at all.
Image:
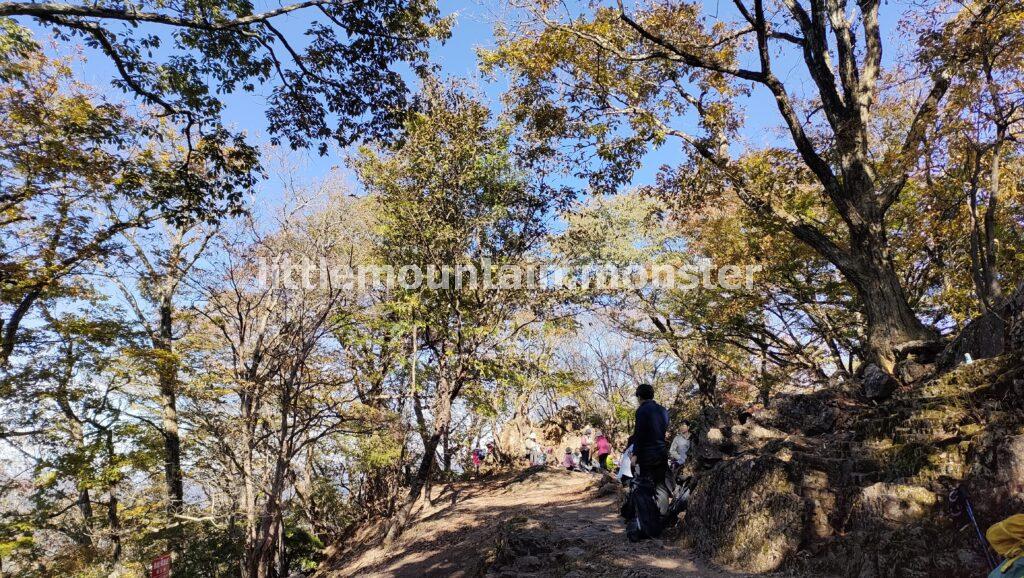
{"x":643,"y":519}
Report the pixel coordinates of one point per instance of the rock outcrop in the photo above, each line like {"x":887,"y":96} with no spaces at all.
{"x":996,"y":332}
{"x":877,"y":384}
{"x":765,"y":525}
{"x":858,"y":488}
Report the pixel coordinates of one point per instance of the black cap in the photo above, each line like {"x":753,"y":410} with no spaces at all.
{"x":645,"y":391}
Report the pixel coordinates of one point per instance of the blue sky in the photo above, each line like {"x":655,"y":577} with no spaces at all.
{"x":457,"y":58}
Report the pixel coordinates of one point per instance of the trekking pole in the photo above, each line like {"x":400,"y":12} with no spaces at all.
{"x":955,"y":497}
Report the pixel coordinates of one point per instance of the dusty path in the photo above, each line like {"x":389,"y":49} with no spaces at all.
{"x":549,"y":523}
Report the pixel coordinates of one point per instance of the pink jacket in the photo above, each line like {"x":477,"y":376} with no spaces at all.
{"x":603,"y":447}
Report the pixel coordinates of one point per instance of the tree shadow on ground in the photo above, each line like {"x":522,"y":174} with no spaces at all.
{"x":576,"y":531}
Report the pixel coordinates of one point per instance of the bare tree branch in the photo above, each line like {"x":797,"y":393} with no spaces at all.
{"x":52,"y":10}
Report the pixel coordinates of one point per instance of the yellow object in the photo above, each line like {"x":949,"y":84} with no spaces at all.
{"x":1007,"y":537}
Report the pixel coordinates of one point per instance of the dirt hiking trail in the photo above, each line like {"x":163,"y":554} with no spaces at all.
{"x":537,"y":523}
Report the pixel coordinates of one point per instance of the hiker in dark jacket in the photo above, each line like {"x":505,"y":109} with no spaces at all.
{"x":648,"y":439}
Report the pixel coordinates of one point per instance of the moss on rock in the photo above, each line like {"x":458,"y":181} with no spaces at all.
{"x":747,"y":513}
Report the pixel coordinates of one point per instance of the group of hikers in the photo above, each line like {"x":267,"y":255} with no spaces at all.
{"x":646,"y":450}
{"x":593,"y":453}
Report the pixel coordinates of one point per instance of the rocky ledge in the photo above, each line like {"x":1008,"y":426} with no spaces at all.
{"x":861,"y":488}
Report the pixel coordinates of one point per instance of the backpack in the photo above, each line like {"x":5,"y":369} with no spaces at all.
{"x":644,"y":519}
{"x":1013,"y":570}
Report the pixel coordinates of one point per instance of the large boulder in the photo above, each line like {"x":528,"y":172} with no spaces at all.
{"x":885,"y":504}
{"x":909,"y":371}
{"x":711,"y":441}
{"x":996,"y":473}
{"x":1011,"y":473}
{"x":747,"y":513}
{"x":988,"y":335}
{"x":751,"y":436}
{"x":894,"y":531}
{"x":983,"y":337}
{"x":822,"y":503}
{"x":877,"y":385}
{"x":565,"y":423}
{"x":809,"y":414}
{"x":912,"y":551}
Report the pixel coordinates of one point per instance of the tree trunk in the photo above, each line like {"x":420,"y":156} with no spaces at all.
{"x":442,"y":420}
{"x":983,"y":233}
{"x":267,"y":549}
{"x":113,"y":520}
{"x":415,"y":488}
{"x":84,"y":501}
{"x":764,"y":385}
{"x":262,"y":549}
{"x":249,"y":481}
{"x":867,"y":266}
{"x":261,"y":556}
{"x":167,"y":376}
{"x":890,"y":319}
{"x":447,"y":465}
{"x":993,"y":290}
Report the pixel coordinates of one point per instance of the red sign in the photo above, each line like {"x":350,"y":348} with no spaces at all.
{"x":160,"y":567}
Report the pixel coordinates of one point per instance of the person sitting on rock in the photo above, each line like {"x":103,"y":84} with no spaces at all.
{"x":568,"y":461}
{"x":680,"y":446}
{"x":579,"y":461}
